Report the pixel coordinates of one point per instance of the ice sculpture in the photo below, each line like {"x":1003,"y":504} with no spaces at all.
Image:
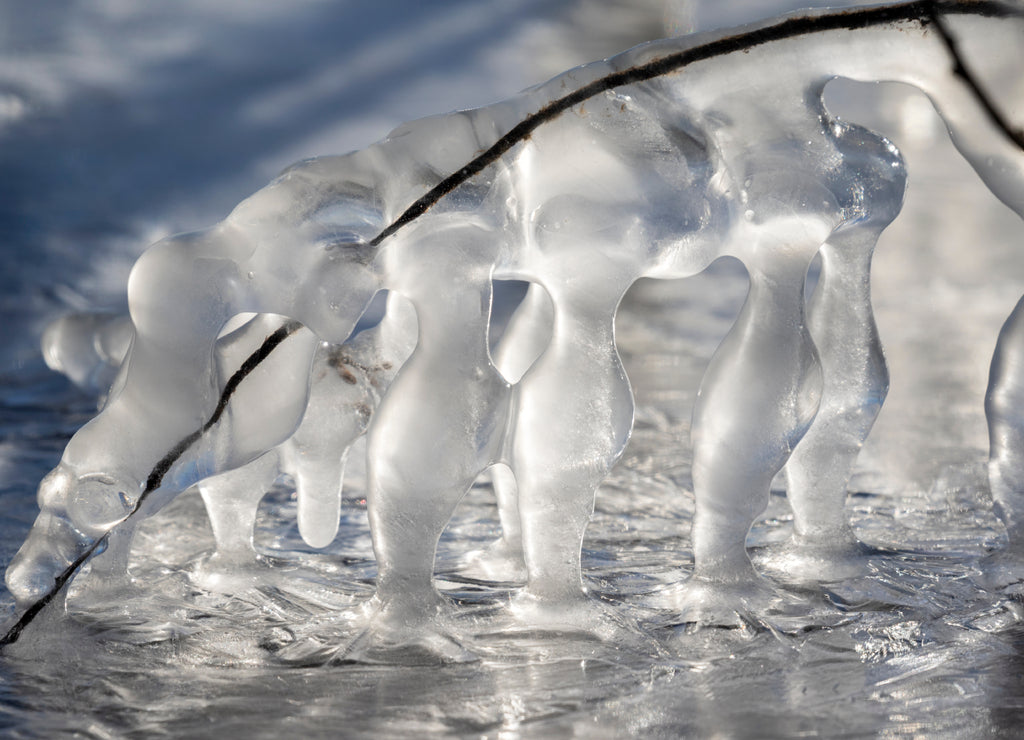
{"x":651,"y":164}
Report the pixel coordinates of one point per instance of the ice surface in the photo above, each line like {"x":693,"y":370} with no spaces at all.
{"x":882,"y":644}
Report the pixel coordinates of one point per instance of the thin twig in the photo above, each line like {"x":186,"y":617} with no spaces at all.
{"x":922,"y":11}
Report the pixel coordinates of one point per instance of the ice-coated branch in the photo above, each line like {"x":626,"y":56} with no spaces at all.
{"x":921,"y":11}
{"x":650,"y":164}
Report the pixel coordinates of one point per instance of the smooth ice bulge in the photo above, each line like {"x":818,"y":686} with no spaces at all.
{"x":651,"y":164}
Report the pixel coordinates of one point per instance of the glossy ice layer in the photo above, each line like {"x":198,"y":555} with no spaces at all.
{"x":651,"y":164}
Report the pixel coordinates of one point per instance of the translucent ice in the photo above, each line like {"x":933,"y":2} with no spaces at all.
{"x":651,"y":164}
{"x":88,"y":348}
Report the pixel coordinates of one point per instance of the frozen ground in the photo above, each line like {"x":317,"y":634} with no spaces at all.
{"x":126,"y":121}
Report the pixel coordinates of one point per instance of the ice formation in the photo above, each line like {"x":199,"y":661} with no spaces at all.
{"x":651,"y":164}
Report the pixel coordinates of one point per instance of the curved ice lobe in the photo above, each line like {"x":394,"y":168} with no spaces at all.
{"x":88,"y":348}
{"x":651,"y":164}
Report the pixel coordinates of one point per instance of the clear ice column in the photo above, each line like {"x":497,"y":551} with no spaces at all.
{"x":439,"y":426}
{"x":759,"y":394}
{"x":856,"y":381}
{"x":574,"y":416}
